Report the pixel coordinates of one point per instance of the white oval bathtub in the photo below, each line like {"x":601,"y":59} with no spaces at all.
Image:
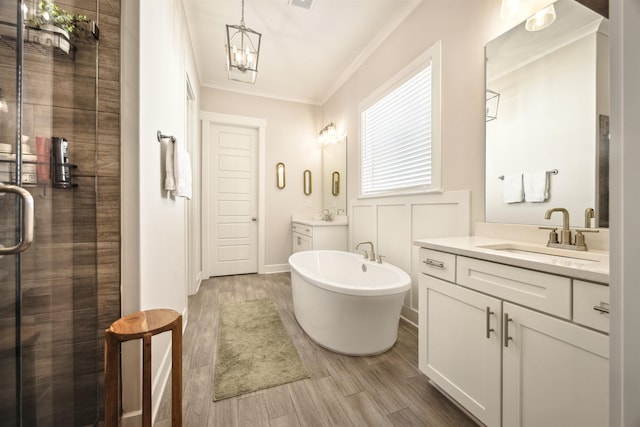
{"x":346,"y":303}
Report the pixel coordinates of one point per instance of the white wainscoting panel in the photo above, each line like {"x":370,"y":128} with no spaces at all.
{"x":393,"y":223}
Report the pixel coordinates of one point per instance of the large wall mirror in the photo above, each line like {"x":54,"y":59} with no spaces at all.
{"x":334,"y":176}
{"x":547,"y":109}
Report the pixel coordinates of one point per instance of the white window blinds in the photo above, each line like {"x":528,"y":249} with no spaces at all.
{"x":396,"y":138}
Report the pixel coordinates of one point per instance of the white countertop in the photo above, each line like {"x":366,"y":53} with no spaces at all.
{"x":320,"y":223}
{"x":315,"y":221}
{"x":595,"y":270}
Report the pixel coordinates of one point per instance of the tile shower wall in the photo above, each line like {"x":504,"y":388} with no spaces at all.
{"x":71,"y":276}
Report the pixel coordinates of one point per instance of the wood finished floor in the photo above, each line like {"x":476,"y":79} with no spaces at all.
{"x":383,"y":390}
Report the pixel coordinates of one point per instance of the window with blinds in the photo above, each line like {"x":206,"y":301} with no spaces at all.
{"x":397,"y":138}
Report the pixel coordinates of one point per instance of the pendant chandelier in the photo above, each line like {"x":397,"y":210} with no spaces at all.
{"x":243,"y":49}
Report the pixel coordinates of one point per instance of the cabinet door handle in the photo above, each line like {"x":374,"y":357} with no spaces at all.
{"x":434,"y":263}
{"x":488,"y":313}
{"x":299,"y":241}
{"x":506,"y":329}
{"x":603,"y":308}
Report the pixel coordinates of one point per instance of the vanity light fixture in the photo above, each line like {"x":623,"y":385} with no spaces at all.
{"x":541,"y":19}
{"x":329,"y":135}
{"x":243,"y":50}
{"x":538,"y":14}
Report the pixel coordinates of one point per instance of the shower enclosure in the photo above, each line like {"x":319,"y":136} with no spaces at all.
{"x":51,"y":319}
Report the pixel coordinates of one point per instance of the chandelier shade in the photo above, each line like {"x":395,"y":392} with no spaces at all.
{"x":242,"y":51}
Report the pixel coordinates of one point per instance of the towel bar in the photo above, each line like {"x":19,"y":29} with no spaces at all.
{"x":161,"y":137}
{"x":552,"y":172}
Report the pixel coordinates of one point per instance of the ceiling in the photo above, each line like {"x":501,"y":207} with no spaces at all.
{"x":305,"y":54}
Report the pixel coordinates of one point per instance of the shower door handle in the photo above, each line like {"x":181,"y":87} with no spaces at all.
{"x":27,"y":219}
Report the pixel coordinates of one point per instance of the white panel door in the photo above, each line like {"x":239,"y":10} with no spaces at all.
{"x":233,"y":246}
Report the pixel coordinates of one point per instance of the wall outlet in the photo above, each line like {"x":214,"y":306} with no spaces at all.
{"x":309,"y":204}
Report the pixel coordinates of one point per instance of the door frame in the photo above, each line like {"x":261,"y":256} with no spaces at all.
{"x":207,"y":118}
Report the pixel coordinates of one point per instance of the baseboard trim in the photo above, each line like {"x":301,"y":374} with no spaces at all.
{"x":198,"y":282}
{"x":276,"y":268}
{"x":410,"y":315}
{"x":164,"y":373}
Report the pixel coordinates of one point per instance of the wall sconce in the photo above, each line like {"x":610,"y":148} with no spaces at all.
{"x":306,"y":185}
{"x":280,"y":177}
{"x":329,"y":134}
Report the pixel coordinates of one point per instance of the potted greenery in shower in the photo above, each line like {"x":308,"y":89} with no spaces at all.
{"x":51,"y":25}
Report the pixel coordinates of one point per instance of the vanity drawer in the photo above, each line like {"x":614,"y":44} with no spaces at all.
{"x":306,"y":230}
{"x":438,"y":264}
{"x":591,"y":305}
{"x":540,"y":291}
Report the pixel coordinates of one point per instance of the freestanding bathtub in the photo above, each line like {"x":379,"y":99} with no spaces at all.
{"x":346,"y":303}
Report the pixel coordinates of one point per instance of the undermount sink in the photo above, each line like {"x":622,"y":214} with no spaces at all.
{"x":545,"y":252}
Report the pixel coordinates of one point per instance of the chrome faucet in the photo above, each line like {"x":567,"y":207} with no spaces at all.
{"x":371,"y":255}
{"x":565,"y":236}
{"x":326,"y":215}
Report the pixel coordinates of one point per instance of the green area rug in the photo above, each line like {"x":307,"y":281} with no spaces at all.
{"x":254,"y":350}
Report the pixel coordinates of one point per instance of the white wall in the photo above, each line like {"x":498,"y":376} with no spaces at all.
{"x":292,"y":138}
{"x":547,"y":119}
{"x":625,"y":202}
{"x":464,"y":28}
{"x":157,"y":56}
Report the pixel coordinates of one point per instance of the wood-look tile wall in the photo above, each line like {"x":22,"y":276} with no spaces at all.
{"x":108,"y":175}
{"x":71,"y":275}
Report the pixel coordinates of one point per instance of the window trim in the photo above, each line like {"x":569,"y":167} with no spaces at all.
{"x":434,"y":55}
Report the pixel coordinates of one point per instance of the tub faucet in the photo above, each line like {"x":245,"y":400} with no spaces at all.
{"x":371,"y":255}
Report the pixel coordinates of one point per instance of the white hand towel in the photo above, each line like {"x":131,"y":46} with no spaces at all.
{"x":169,"y":178}
{"x":536,"y":186}
{"x":183,"y":173}
{"x":512,"y":189}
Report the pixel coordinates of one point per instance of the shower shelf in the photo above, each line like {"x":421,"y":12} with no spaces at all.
{"x":41,"y":41}
{"x":42,"y":184}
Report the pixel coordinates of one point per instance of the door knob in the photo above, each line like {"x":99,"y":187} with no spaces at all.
{"x":254,"y":219}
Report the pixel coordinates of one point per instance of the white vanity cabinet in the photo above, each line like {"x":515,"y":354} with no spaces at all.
{"x":504,"y":343}
{"x":555,"y":373}
{"x":308,"y":237}
{"x":460,"y":345}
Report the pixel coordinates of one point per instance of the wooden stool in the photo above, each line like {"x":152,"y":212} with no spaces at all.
{"x":143,"y":324}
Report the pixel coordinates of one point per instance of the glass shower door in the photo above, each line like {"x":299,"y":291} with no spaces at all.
{"x":10,"y":325}
{"x":50,"y":359}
